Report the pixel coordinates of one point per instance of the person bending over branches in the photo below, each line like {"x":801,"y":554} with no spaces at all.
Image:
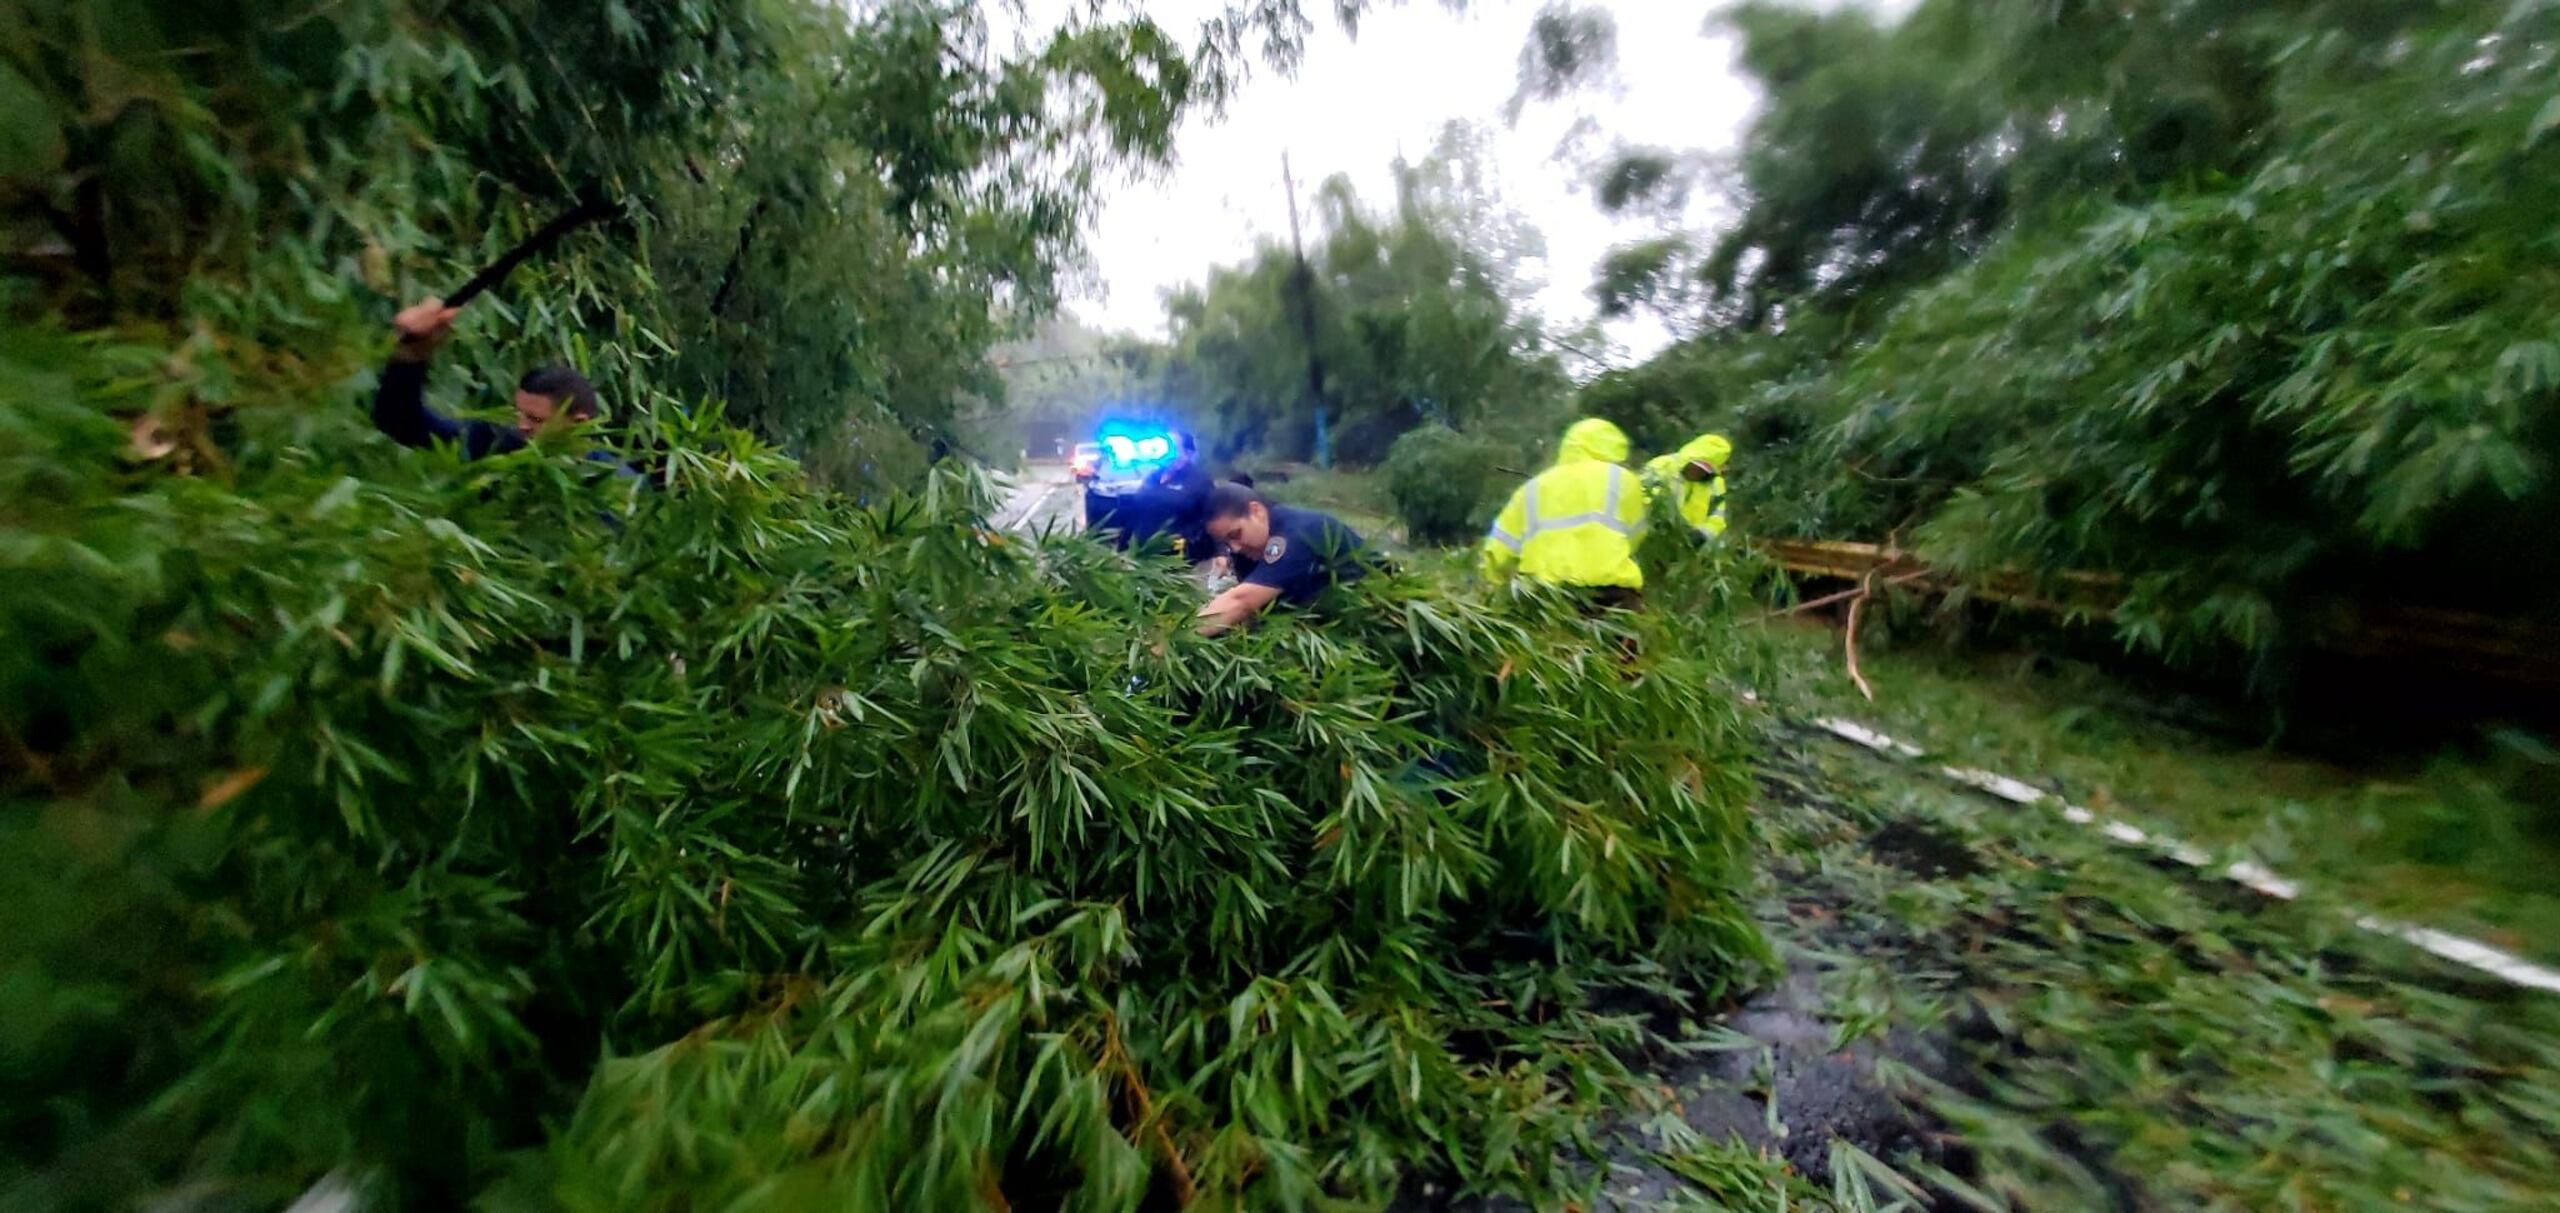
{"x":1292,"y":554}
{"x":1180,"y":490}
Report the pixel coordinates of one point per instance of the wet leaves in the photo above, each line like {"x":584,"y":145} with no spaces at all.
{"x":754,"y":844}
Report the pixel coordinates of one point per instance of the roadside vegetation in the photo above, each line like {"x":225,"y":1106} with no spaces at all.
{"x":2249,"y":306}
{"x":769,"y":830}
{"x":1358,"y":498}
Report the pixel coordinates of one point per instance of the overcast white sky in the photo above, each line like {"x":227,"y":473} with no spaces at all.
{"x":1353,"y":104}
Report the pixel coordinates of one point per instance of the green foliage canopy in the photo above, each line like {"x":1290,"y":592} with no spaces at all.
{"x":2249,"y":304}
{"x":510,"y":832}
{"x":827,"y":217}
{"x":380,"y":813}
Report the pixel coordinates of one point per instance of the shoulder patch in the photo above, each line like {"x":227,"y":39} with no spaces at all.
{"x":1274,"y":550}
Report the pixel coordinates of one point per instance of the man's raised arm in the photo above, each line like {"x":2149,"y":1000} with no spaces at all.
{"x":400,"y":400}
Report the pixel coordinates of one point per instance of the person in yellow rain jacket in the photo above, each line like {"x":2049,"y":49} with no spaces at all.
{"x":1696,"y":472}
{"x":1575,"y":524}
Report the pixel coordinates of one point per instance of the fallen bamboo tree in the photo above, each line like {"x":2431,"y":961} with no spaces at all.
{"x":2521,"y":651}
{"x":767,"y":849}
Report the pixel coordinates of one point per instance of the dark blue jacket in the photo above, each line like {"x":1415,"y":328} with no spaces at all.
{"x":400,"y":410}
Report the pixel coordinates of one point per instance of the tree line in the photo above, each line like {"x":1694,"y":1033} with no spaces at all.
{"x":821,"y":219}
{"x":1386,"y":318}
{"x":2250,"y":305}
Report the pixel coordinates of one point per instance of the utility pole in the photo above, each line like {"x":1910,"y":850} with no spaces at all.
{"x":1303,"y":281}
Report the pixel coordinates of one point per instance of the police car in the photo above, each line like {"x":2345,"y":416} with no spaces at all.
{"x":1126,"y":457}
{"x":1116,"y":498}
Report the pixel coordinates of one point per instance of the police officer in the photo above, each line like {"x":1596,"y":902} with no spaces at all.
{"x":1180,"y":493}
{"x":1292,"y":554}
{"x":1183,"y":475}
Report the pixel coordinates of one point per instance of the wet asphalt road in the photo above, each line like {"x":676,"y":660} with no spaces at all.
{"x":1040,"y":497}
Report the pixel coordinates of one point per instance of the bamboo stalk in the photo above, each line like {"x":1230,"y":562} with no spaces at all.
{"x":1143,"y":1107}
{"x":1844,"y":595}
{"x":1856,"y":606}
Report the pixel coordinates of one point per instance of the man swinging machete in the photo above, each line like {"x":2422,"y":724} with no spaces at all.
{"x":548,"y":399}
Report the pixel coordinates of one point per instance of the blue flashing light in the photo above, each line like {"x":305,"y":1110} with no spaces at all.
{"x":1132,"y":445}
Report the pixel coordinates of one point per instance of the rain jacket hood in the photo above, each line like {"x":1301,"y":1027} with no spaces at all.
{"x":1712,"y":449}
{"x":1592,"y":440}
{"x":1701,"y":504}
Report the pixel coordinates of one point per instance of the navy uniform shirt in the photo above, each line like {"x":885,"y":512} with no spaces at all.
{"x":1307,"y":552}
{"x":1181,"y":499}
{"x":1185,"y":483}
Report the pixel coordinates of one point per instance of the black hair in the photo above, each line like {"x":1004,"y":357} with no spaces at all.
{"x":564,"y":386}
{"x":1186,"y":440}
{"x":1230,"y":501}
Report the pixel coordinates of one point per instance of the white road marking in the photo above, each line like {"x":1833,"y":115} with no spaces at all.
{"x":2470,"y":953}
{"x":1867,"y":737}
{"x":1021,"y":518}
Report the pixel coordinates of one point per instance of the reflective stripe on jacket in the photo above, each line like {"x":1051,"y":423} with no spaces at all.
{"x":1701,"y":501}
{"x":1577,"y":522}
